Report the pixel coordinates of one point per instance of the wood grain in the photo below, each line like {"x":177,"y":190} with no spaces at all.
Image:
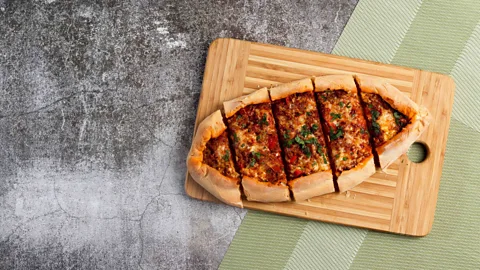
{"x":401,"y":199}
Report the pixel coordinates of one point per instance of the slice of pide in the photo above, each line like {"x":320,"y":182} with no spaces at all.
{"x":395,"y":121}
{"x":347,"y":129}
{"x":301,"y":136}
{"x":257,"y":151}
{"x":210,"y":162}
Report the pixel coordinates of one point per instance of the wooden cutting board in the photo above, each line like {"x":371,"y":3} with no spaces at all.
{"x":400,"y":200}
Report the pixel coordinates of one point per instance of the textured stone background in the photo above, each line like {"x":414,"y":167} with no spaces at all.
{"x":97,"y":106}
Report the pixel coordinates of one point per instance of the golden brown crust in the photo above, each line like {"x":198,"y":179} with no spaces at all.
{"x":419,"y":118}
{"x":285,"y":90}
{"x":312,"y":185}
{"x":211,"y":127}
{"x":351,"y":178}
{"x":335,"y":82}
{"x":222,"y":187}
{"x":256,"y":190}
{"x":389,"y":93}
{"x":234,"y":105}
{"x":400,"y":143}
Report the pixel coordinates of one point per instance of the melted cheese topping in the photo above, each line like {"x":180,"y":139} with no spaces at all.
{"x":256,"y":144}
{"x":301,"y":135}
{"x":348,"y":136}
{"x":384,"y":121}
{"x":387,"y":125}
{"x":217,"y":155}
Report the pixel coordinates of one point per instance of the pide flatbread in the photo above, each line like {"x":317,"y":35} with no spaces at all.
{"x":395,"y":121}
{"x":222,"y":181}
{"x":303,"y":139}
{"x":304,"y":147}
{"x":347,"y":130}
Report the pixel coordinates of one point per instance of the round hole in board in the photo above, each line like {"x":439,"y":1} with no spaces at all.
{"x":418,"y":152}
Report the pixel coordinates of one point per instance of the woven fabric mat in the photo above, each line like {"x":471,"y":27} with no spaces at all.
{"x":437,"y":35}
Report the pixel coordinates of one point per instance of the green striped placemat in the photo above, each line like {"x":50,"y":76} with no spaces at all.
{"x":436,"y":35}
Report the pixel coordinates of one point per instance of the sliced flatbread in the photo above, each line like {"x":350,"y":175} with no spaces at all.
{"x":257,"y":150}
{"x":210,"y":163}
{"x":395,"y":121}
{"x":347,"y":130}
{"x":301,"y":135}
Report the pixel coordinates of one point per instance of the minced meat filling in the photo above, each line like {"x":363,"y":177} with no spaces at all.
{"x":384,"y":121}
{"x":217,"y":155}
{"x":301,"y":135}
{"x":255,"y":140}
{"x":347,"y":128}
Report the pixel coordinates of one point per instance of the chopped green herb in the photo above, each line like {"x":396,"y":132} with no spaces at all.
{"x":264,"y":121}
{"x":299,"y":141}
{"x":289,"y":143}
{"x":363,"y":131}
{"x":286,"y":136}
{"x":335,"y":116}
{"x":307,"y":151}
{"x":324,"y":97}
{"x":235,"y":137}
{"x":348,"y":105}
{"x":305,"y":131}
{"x":311,"y":141}
{"x":319,"y":147}
{"x":244,"y":125}
{"x":344,"y":158}
{"x":324,"y":158}
{"x":243,"y":145}
{"x":370,"y":106}
{"x":335,"y":135}
{"x":258,"y":138}
{"x":314,"y":163}
{"x":398,"y":117}
{"x":239,"y":116}
{"x":314,"y":127}
{"x":337,"y":156}
{"x":375,"y":115}
{"x":309,"y":114}
{"x":226,"y":157}
{"x":341,"y":104}
{"x":255,"y":158}
{"x":376,"y":128}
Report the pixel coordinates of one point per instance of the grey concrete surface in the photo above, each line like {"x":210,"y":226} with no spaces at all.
{"x":97,"y":106}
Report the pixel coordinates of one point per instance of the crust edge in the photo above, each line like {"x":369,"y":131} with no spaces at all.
{"x":349,"y":179}
{"x":335,"y":82}
{"x":401,"y":142}
{"x":287,"y":89}
{"x":264,"y":192}
{"x":234,"y":105}
{"x":222,"y":187}
{"x":312,"y":185}
{"x":419,"y":116}
{"x":389,"y":93}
